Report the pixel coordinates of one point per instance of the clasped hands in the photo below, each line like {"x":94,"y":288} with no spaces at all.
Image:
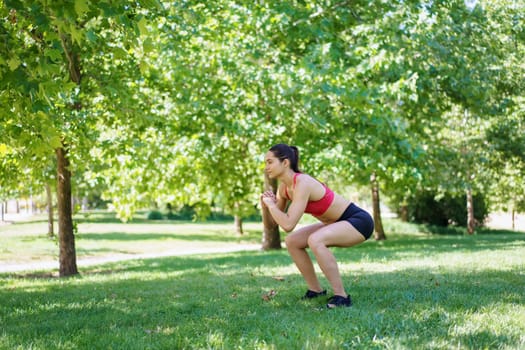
{"x":268,"y":199}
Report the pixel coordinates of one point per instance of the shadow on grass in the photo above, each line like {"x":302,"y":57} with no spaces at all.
{"x":141,"y":218}
{"x":396,"y":247}
{"x":93,"y":251}
{"x":111,"y":218}
{"x":137,"y":220}
{"x":400,"y":227}
{"x":115,"y":220}
{"x":406,"y":245}
{"x":457,"y":230}
{"x":124,"y":237}
{"x":216,"y":301}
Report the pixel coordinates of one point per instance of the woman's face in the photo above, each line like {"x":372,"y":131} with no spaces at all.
{"x":274,"y":167}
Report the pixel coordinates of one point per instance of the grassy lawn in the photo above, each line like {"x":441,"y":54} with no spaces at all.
{"x":100,"y":235}
{"x":417,"y":290}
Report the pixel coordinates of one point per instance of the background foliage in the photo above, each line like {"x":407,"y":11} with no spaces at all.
{"x":177,"y":102}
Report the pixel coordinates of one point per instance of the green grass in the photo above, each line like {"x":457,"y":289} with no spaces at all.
{"x":100,"y":235}
{"x":414,"y":291}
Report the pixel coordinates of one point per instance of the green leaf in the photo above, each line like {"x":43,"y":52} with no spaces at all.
{"x":120,"y":53}
{"x":147,"y":46}
{"x":55,"y":141}
{"x":142,"y":25}
{"x":81,"y":7}
{"x":54,"y":54}
{"x":143,"y":66}
{"x":151,"y":4}
{"x":91,"y":36}
{"x":76,"y":35}
{"x":13,"y":63}
{"x":3,"y":149}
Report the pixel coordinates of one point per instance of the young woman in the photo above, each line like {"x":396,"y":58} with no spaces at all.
{"x":342,"y":223}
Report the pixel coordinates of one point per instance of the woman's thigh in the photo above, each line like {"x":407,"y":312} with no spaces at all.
{"x":338,"y":234}
{"x":299,"y":238}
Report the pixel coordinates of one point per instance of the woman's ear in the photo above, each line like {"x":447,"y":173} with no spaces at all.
{"x":286,"y":162}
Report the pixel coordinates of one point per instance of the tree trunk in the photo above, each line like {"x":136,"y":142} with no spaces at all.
{"x":471,"y":221}
{"x":85,"y":204}
{"x":67,"y":255}
{"x":379,"y":232}
{"x":513,"y":219}
{"x":31,"y":204}
{"x":271,"y":237}
{"x":238,"y":225}
{"x":404,"y":212}
{"x":2,"y":212}
{"x":50,"y":232}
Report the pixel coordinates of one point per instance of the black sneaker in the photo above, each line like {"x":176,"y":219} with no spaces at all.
{"x":338,"y":300}
{"x":310,"y":294}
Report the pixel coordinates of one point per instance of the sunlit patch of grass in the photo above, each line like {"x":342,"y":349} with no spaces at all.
{"x":407,"y":294}
{"x":28,"y":242}
{"x":413,"y":291}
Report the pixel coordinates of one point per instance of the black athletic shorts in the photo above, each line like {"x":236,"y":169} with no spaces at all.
{"x":360,"y":219}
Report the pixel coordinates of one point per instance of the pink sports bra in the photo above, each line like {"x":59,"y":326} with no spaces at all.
{"x":319,"y":207}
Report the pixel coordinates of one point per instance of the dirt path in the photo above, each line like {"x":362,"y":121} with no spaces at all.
{"x":53,"y":265}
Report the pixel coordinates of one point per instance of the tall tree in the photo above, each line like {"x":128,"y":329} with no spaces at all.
{"x":57,"y":67}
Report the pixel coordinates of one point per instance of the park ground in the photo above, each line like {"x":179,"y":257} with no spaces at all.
{"x":422,"y":288}
{"x":28,"y":260}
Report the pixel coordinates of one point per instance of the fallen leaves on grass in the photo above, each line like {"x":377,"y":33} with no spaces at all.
{"x":269,"y":295}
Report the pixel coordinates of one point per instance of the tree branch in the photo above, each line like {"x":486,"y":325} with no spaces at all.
{"x":72,"y":59}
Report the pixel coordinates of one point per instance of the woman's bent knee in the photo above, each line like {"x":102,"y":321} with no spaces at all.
{"x":290,"y":241}
{"x":314,"y":242}
{"x":294,"y":242}
{"x":299,"y":239}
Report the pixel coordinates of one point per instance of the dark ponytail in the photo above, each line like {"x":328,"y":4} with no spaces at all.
{"x":283,"y":151}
